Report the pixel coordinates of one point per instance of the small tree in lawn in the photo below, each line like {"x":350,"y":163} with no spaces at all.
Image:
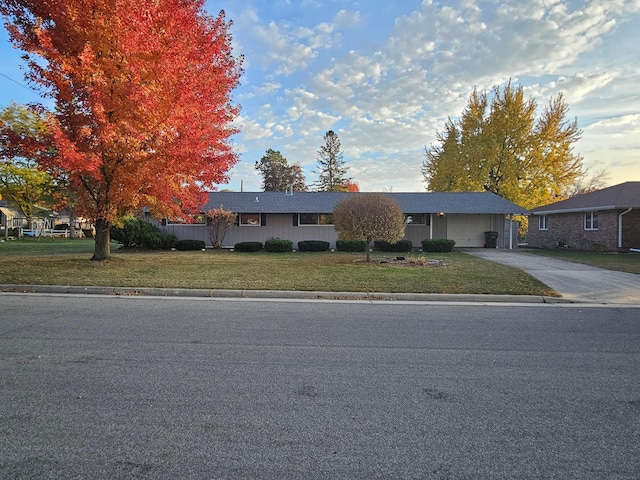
{"x":368,"y":217}
{"x":219,"y":221}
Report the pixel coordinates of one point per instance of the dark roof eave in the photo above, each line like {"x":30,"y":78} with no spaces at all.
{"x":542,"y":211}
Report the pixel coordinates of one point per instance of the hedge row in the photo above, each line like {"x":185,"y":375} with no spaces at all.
{"x":277,"y":245}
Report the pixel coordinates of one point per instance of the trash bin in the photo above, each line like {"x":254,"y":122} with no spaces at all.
{"x":490,"y":239}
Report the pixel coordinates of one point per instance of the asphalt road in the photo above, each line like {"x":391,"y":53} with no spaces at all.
{"x":171,"y":388}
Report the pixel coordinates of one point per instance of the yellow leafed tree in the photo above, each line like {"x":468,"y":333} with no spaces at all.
{"x":504,"y":147}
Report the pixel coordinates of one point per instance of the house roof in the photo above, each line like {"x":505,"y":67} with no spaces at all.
{"x":324,"y":202}
{"x":623,"y":196}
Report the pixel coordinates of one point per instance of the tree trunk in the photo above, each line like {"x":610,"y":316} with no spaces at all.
{"x":72,"y":225}
{"x":102,"y":249}
{"x":368,"y":248}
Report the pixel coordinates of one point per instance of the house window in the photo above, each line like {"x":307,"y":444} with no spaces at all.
{"x":591,"y":221}
{"x":542,"y":223}
{"x":315,"y":219}
{"x":417,"y":219}
{"x":193,"y":220}
{"x":249,"y":219}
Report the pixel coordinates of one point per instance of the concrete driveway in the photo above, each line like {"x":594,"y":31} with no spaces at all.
{"x":574,"y":281}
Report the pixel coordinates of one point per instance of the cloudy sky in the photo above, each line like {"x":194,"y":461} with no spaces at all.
{"x":386,"y":75}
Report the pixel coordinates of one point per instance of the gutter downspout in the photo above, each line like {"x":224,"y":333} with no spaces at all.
{"x":510,"y":232}
{"x":431,"y":226}
{"x":620,"y":227}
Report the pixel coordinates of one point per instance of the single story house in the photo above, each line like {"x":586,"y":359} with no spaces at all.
{"x":605,"y":220}
{"x":298,"y":216}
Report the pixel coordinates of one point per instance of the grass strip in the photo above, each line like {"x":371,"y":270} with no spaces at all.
{"x":620,"y":262}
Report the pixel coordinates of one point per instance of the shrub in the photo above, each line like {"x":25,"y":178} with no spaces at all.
{"x":313,"y":246}
{"x":189,"y":245}
{"x":135,"y":232}
{"x":276,"y":245}
{"x":167,"y":241}
{"x":401,"y":246}
{"x":219,"y":221}
{"x":248,"y":247}
{"x":351,"y":245}
{"x":438,"y":245}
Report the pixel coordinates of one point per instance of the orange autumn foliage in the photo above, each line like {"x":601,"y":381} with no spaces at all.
{"x":352,"y":186}
{"x":143,"y":99}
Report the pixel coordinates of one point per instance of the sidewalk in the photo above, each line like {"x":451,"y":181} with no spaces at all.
{"x":574,"y":281}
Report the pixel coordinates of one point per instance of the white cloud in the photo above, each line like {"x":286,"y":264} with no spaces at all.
{"x":345,"y":19}
{"x":387,"y":101}
{"x":615,"y":133}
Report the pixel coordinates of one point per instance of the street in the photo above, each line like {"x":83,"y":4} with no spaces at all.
{"x":124,"y":387}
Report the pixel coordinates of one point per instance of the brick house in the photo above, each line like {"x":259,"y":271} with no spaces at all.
{"x":604,"y":220}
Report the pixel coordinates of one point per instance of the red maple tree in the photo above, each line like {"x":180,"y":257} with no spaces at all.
{"x":352,"y":186}
{"x":142,"y":90}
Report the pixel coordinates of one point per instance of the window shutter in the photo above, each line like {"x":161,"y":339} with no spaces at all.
{"x":263,"y":219}
{"x":295,"y":219}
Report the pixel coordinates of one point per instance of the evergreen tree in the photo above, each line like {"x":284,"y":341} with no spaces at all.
{"x":331,"y":169}
{"x":278,"y":175}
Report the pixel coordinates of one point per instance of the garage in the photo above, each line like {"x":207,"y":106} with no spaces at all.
{"x":468,"y":230}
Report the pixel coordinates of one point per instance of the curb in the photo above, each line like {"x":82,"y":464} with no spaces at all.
{"x":280,"y":294}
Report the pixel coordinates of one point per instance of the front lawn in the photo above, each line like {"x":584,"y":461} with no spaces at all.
{"x":66,"y":262}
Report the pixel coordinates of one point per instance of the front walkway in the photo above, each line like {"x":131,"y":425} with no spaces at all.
{"x":574,"y":281}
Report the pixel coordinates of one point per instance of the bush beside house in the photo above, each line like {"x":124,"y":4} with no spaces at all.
{"x":440,"y":245}
{"x":248,"y":246}
{"x":313,"y":246}
{"x":135,"y":232}
{"x":277,"y":245}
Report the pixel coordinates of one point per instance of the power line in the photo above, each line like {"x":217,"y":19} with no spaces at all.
{"x":18,"y":83}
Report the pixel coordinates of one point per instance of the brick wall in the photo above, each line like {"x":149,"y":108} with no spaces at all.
{"x":631,"y":229}
{"x":569,"y":228}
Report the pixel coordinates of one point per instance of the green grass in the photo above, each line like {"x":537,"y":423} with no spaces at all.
{"x":621,"y":262}
{"x":47,"y":246}
{"x":66,"y":262}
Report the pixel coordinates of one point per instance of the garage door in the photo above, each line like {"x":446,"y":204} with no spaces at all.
{"x":468,"y":230}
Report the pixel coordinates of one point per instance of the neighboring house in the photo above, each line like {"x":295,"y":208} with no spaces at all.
{"x":606,"y":220}
{"x":45,"y":223}
{"x":297,"y":216}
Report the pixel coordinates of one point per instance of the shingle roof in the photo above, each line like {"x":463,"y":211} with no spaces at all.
{"x":625,"y":195}
{"x":324,"y":202}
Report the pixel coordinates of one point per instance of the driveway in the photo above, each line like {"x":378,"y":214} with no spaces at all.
{"x":574,"y":281}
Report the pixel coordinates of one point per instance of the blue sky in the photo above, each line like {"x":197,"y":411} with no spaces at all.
{"x":386,"y":75}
